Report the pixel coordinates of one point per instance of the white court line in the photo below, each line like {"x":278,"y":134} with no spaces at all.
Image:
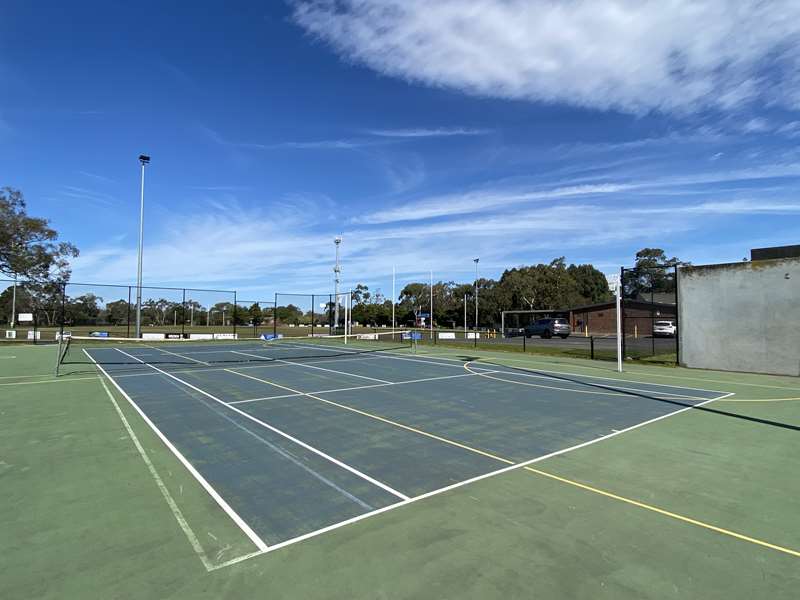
{"x":259,"y":543}
{"x":49,"y":381}
{"x":301,"y":443}
{"x":432,"y":359}
{"x":307,"y":366}
{"x":454,"y":486}
{"x":176,"y":511}
{"x":358,"y":387}
{"x":631,"y":392}
{"x":179,"y":355}
{"x":267,"y":363}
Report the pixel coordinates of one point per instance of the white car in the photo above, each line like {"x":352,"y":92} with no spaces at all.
{"x":664,"y":329}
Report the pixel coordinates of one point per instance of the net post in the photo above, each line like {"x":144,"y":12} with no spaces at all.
{"x":313,"y":300}
{"x":591,"y":347}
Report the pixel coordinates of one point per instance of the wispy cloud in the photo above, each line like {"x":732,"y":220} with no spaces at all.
{"x":671,"y":56}
{"x":74,"y":193}
{"x":219,"y":188}
{"x":428,"y":133}
{"x":96,"y":177}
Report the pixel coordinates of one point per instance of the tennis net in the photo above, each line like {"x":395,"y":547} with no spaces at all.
{"x":120,"y":352}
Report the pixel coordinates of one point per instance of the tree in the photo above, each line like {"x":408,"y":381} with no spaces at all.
{"x":28,"y":245}
{"x":83,"y":310}
{"x":592,"y":284}
{"x":652,"y":274}
{"x":256,"y":316}
{"x":118,"y":312}
{"x":24,"y":302}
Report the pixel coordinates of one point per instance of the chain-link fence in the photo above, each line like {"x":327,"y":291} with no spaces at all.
{"x":42,"y":311}
{"x":650,"y":313}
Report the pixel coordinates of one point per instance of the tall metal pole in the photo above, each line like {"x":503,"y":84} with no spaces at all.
{"x":431,"y":325}
{"x":337,"y":271}
{"x":143,"y":160}
{"x":393,"y":298}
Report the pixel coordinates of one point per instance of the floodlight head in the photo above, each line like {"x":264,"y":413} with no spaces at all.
{"x":337,"y":239}
{"x":475,"y":260}
{"x":144,"y":159}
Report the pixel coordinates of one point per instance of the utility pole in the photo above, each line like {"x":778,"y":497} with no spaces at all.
{"x":337,"y":271}
{"x":143,"y":159}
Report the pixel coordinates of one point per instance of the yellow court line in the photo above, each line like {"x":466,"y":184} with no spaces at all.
{"x":50,"y":381}
{"x":758,"y":399}
{"x":667,"y":513}
{"x":378,"y":418}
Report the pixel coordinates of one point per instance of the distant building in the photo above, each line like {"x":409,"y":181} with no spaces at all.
{"x":775,"y":252}
{"x":639,"y":316}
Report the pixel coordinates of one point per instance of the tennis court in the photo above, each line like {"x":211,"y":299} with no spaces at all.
{"x":297,"y":437}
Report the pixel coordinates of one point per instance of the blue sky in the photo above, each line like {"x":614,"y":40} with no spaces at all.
{"x":426,"y":134}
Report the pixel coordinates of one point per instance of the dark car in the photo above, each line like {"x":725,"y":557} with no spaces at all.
{"x":514,"y":331}
{"x":547,"y":328}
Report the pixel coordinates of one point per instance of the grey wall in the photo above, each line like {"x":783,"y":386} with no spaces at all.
{"x":741,"y":316}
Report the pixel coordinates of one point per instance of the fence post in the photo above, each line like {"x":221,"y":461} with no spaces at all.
{"x":275,"y":317}
{"x":677,"y":330}
{"x":183,"y":314}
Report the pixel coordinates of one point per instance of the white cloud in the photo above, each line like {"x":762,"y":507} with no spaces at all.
{"x":426,"y":133}
{"x":635,"y":56}
{"x":479,"y":200}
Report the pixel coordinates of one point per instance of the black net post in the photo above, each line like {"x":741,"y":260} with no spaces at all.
{"x":234,"y":313}
{"x":62,"y":318}
{"x":313,"y":316}
{"x":591,"y":347}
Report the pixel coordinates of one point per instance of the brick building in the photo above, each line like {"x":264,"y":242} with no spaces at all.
{"x":602,"y":318}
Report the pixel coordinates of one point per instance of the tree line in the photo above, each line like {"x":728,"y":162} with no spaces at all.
{"x":30,"y":250}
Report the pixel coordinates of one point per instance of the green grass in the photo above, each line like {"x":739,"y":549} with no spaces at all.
{"x":83,"y":516}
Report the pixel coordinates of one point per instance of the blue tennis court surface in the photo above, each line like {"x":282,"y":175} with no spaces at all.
{"x":295,"y":438}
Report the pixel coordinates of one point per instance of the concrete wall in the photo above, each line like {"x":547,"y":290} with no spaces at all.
{"x":741,"y":316}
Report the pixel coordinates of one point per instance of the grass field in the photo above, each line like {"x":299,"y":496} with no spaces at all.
{"x":701,"y":502}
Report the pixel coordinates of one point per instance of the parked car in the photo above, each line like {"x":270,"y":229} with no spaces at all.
{"x":514,"y":331}
{"x":664,"y":329}
{"x":547,"y":328}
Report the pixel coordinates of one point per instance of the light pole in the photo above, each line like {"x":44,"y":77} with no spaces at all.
{"x":476,"y":260}
{"x":143,"y":159}
{"x":337,"y":270}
